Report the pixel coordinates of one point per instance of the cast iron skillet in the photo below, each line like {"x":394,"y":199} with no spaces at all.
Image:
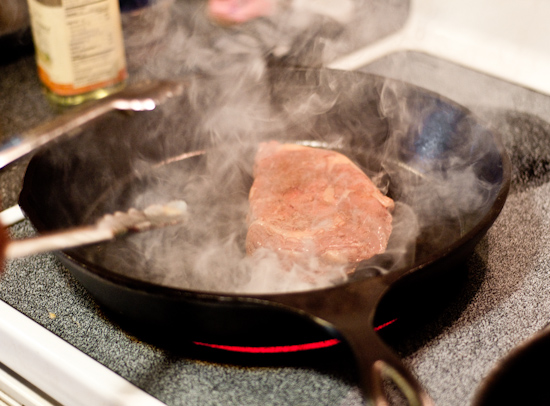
{"x":424,"y":143}
{"x":521,"y":377}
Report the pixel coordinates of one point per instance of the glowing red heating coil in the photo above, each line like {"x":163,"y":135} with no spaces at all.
{"x":282,"y":348}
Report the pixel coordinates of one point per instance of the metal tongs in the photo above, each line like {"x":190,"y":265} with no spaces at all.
{"x":142,"y":96}
{"x":106,"y":228}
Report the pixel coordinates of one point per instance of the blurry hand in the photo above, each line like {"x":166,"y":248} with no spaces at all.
{"x":239,"y":11}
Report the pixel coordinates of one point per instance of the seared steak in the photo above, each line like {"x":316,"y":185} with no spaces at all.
{"x":308,"y":202}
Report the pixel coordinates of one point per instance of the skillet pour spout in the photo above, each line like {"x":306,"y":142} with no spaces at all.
{"x":437,"y":157}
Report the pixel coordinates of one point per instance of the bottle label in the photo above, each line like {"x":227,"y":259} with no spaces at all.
{"x":79,"y":44}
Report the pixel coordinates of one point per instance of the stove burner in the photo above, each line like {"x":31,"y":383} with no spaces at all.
{"x":283,"y":348}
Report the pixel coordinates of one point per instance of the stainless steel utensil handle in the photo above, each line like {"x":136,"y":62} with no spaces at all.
{"x":21,"y":145}
{"x":75,"y":237}
{"x":106,"y":228}
{"x":142,"y":96}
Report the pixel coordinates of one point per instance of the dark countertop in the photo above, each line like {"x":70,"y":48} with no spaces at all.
{"x":504,"y":303}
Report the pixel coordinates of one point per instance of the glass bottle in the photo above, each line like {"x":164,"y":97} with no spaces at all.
{"x":79,"y":48}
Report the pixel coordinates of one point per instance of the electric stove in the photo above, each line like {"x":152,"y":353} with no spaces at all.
{"x":58,"y":347}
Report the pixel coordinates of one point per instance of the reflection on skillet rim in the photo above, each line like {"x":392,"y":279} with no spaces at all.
{"x":89,"y":274}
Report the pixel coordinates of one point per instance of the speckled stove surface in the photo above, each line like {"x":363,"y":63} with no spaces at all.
{"x":506,"y":300}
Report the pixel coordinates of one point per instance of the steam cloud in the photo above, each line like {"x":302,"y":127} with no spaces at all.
{"x":231,"y":105}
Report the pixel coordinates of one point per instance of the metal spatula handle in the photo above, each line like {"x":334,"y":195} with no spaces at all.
{"x":141,"y":96}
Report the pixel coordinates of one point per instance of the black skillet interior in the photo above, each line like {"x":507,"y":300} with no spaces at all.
{"x":423,"y":146}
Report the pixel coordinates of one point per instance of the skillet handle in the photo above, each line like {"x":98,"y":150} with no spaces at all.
{"x":376,"y":364}
{"x":348,"y":310}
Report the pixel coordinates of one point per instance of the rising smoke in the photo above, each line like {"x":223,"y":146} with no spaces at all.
{"x":235,"y":98}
